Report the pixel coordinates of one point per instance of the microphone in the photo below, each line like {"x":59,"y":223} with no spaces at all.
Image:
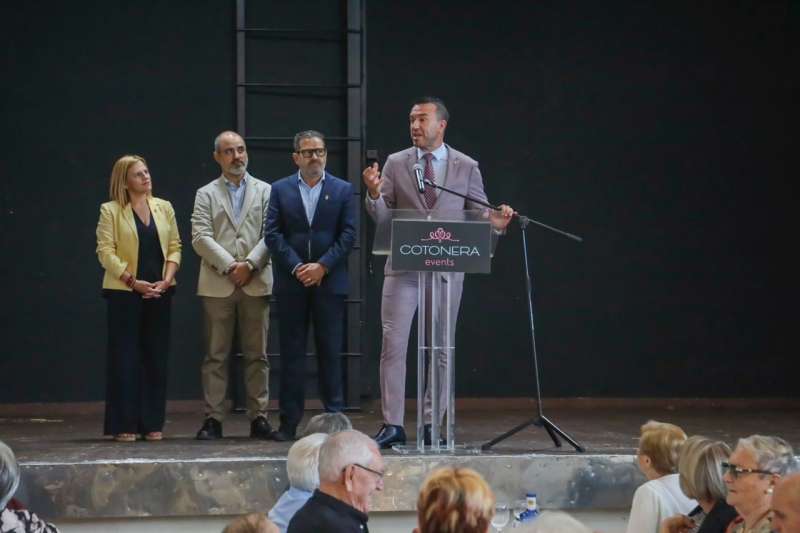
{"x":418,"y":172}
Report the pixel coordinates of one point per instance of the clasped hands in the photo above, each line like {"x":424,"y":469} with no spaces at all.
{"x":310,"y":274}
{"x":150,"y":290}
{"x":240,"y":274}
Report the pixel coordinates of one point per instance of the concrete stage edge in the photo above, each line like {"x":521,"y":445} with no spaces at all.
{"x":71,"y":472}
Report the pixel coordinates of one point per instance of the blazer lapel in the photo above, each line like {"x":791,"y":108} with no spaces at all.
{"x":222,"y":191}
{"x":324,"y":198}
{"x":162,"y":225}
{"x":127,"y":214}
{"x":296,"y":199}
{"x":249,"y":196}
{"x":451,"y":178}
{"x":417,"y":198}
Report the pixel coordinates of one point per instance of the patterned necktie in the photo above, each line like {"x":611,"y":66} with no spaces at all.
{"x":430,"y":192}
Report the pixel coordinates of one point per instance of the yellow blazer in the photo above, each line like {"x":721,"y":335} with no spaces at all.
{"x":118,"y":241}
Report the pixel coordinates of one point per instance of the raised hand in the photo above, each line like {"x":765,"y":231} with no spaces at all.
{"x":372,"y":179}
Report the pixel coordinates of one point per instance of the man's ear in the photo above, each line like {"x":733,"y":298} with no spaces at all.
{"x":348,"y":477}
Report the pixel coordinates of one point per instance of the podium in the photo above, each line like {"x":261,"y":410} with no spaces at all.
{"x":440,"y":246}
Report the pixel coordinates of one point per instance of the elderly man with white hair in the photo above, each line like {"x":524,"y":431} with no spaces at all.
{"x":302,"y":468}
{"x":16,"y":520}
{"x":350,"y":470}
{"x":786,"y":505}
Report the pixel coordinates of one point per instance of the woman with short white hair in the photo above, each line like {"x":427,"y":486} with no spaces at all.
{"x":755,"y":465}
{"x":302,"y":469}
{"x":661,"y":496}
{"x":16,"y":521}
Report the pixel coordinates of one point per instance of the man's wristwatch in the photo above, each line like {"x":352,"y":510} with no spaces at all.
{"x":251,"y":265}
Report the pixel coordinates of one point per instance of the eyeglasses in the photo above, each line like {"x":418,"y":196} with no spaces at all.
{"x":377,"y":473}
{"x":735,"y":470}
{"x":307,"y":153}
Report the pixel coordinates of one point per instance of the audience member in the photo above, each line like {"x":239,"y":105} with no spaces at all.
{"x":750,"y":474}
{"x":786,"y":505}
{"x":329,"y":423}
{"x":251,"y":523}
{"x":554,"y":522}
{"x":454,"y":500}
{"x":700,"y":474}
{"x":350,"y":471}
{"x":660,"y":497}
{"x":302,"y":467}
{"x":19,"y":520}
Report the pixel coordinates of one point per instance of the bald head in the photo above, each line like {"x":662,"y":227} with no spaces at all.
{"x":227,"y":134}
{"x":786,"y":505}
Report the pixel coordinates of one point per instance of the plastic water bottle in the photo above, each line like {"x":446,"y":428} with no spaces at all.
{"x":531,"y":508}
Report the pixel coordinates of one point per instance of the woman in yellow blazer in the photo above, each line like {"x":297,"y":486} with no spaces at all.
{"x":140,"y":249}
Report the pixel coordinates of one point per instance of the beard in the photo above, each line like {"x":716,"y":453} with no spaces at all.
{"x":238,"y":170}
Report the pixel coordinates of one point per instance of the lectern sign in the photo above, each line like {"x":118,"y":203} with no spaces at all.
{"x":422,"y":245}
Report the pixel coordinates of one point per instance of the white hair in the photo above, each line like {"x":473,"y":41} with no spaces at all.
{"x":302,"y":464}
{"x":9,"y":475}
{"x":554,"y":522}
{"x":343,"y":449}
{"x":329,"y":423}
{"x":771,"y":453}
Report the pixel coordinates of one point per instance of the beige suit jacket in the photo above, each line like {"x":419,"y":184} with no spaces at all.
{"x":219,"y":240}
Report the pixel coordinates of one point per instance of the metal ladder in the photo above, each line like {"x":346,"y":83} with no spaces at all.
{"x":346,"y":146}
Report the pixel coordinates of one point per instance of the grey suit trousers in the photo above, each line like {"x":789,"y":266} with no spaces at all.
{"x":398,"y":307}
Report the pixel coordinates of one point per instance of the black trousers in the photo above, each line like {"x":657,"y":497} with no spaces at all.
{"x":295,"y":310}
{"x":136,"y":368}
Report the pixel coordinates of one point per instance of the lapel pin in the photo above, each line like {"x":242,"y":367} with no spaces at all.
{"x":326,"y":196}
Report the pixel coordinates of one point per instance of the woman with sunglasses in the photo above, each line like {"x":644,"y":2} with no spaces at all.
{"x":750,"y":475}
{"x":700,"y":475}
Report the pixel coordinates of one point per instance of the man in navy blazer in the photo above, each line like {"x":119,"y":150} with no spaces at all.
{"x":310,"y":230}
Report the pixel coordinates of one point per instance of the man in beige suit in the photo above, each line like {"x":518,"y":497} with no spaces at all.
{"x":235,"y":282}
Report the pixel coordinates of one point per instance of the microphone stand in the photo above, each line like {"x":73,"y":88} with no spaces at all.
{"x":540,"y":420}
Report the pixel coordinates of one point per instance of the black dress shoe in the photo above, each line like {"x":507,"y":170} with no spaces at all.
{"x":426,"y":436}
{"x":211,"y":430}
{"x":389,"y":434}
{"x":260,"y":428}
{"x":284,"y":434}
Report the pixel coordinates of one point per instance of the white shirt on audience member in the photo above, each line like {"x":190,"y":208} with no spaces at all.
{"x":656,"y":500}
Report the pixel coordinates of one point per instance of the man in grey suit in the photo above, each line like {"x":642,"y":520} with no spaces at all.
{"x":235,"y":281}
{"x":396,"y":188}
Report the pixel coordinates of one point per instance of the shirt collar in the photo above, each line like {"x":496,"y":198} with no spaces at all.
{"x":229,"y":183}
{"x":300,"y":178}
{"x":440,"y":154}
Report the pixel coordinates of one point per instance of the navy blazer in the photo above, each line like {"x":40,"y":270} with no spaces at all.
{"x":328,"y":240}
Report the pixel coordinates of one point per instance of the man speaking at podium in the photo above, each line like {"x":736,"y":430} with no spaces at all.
{"x":398,"y":188}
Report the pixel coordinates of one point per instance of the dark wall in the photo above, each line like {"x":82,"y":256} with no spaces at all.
{"x":658,"y":131}
{"x":83,"y":84}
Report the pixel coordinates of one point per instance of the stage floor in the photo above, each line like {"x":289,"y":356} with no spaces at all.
{"x":70,"y":471}
{"x":601,"y":426}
